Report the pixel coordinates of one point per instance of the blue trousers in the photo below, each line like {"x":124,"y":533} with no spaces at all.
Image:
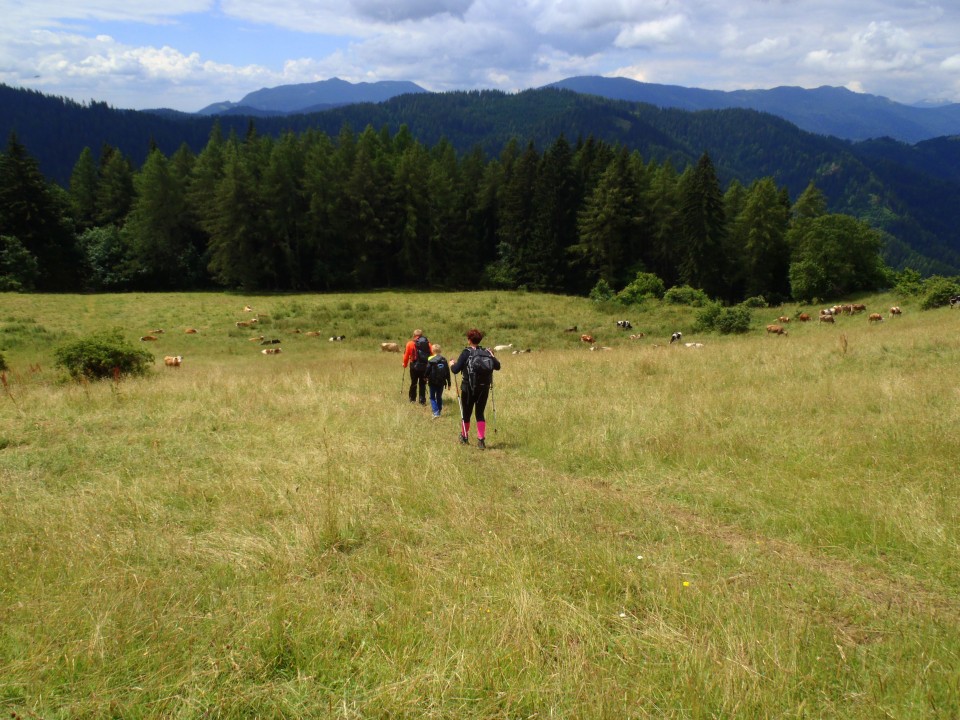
{"x":436,"y":398}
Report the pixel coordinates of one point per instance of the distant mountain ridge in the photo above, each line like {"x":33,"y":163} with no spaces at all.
{"x":312,"y":97}
{"x":825,"y":110}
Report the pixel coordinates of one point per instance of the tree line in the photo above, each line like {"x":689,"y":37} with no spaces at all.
{"x":309,"y":211}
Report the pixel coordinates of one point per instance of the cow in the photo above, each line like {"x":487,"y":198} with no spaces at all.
{"x":600,"y":347}
{"x":693,"y":345}
{"x":158,"y":331}
{"x":625,"y":324}
{"x":247,"y":308}
{"x":273,"y":341}
{"x":245,"y":323}
{"x":783,"y":319}
{"x":587,"y":339}
{"x":875,"y":317}
{"x":338,"y":338}
{"x":521,"y":352}
{"x":636,"y":336}
{"x":148,"y":338}
{"x":572,"y":328}
{"x":854,"y":309}
{"x":676,"y":337}
{"x":776,"y":330}
{"x":895,"y":310}
{"x":803,"y":317}
{"x":258,"y":338}
{"x":954,"y":301}
{"x":827,"y":318}
{"x":389,"y":347}
{"x":190,"y":331}
{"x":271,"y":351}
{"x":498,"y":348}
{"x":173,"y":360}
{"x":312,"y":333}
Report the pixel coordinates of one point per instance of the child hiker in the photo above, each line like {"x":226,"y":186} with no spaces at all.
{"x":438,"y":377}
{"x":477,"y":364}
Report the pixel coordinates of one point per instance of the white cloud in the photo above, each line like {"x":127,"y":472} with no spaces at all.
{"x":655,"y":32}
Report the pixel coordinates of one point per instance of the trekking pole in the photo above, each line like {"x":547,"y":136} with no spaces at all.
{"x":403,"y":373}
{"x":463,"y":427}
{"x":493,"y":403}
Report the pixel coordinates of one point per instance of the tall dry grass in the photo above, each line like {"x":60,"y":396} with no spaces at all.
{"x":761,"y":527}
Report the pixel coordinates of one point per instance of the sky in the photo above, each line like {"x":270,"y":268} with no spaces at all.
{"x":187,"y":54}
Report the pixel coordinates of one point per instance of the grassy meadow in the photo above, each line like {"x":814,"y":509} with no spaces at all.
{"x":763,"y":527}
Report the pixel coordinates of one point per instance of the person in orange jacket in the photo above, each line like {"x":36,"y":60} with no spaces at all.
{"x":415,"y":357}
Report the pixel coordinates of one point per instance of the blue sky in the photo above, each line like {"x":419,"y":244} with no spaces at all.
{"x":186,"y":54}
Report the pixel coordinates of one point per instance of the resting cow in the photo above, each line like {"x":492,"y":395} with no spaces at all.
{"x":271,"y":351}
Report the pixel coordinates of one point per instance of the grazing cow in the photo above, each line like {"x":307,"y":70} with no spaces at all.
{"x":498,"y":348}
{"x":173,"y":360}
{"x":625,"y":324}
{"x":587,"y":339}
{"x":826,"y":318}
{"x":875,"y":317}
{"x":857,"y":309}
{"x":776,"y":330}
{"x":190,"y":331}
{"x":803,"y":317}
{"x":783,"y":319}
{"x":148,"y":338}
{"x":572,"y":328}
{"x":676,"y":337}
{"x":338,"y":338}
{"x":895,"y":310}
{"x":271,"y":351}
{"x":389,"y":347}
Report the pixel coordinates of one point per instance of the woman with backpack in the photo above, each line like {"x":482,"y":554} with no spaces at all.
{"x":477,"y":365}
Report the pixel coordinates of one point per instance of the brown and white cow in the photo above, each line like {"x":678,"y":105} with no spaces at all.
{"x":148,"y":338}
{"x":828,"y":318}
{"x":389,"y":347}
{"x":803,"y":317}
{"x":587,"y":338}
{"x":271,"y":351}
{"x":173,"y":360}
{"x":776,"y":330}
{"x":895,"y":310}
{"x":875,"y":317}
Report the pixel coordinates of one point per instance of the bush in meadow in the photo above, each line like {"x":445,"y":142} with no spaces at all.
{"x":102,"y":356}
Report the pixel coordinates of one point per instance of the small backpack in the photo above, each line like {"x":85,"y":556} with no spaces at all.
{"x":437,"y":372}
{"x":480,"y":368}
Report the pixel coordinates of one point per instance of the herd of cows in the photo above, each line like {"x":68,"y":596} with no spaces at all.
{"x":826,"y":315}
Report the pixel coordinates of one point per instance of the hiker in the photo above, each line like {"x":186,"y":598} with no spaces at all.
{"x":415,"y":356}
{"x":438,"y":377}
{"x":477,"y":365}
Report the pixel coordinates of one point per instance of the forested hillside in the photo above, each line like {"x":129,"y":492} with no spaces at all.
{"x":907,"y":192}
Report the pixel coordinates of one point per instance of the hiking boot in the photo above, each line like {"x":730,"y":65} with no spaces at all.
{"x":481,"y":444}
{"x":464,"y":440}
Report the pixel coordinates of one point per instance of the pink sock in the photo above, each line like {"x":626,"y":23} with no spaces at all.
{"x":481,"y":429}
{"x":466,"y":429}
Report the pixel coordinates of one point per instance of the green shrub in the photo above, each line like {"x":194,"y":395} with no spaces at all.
{"x":601,"y":291}
{"x":937,"y":291}
{"x":686,"y":295}
{"x":727,"y":321}
{"x":3,"y":363}
{"x":645,"y":285}
{"x":96,"y":357}
{"x":757,"y":301}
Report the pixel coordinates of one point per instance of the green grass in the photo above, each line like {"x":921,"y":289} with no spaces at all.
{"x":762,"y":527}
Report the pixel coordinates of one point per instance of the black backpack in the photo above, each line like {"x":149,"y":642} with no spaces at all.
{"x":422,"y":346}
{"x":480,"y":368}
{"x":437,"y":373}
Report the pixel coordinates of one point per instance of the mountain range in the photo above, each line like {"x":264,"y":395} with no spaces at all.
{"x":909,"y":190}
{"x":825,"y":110}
